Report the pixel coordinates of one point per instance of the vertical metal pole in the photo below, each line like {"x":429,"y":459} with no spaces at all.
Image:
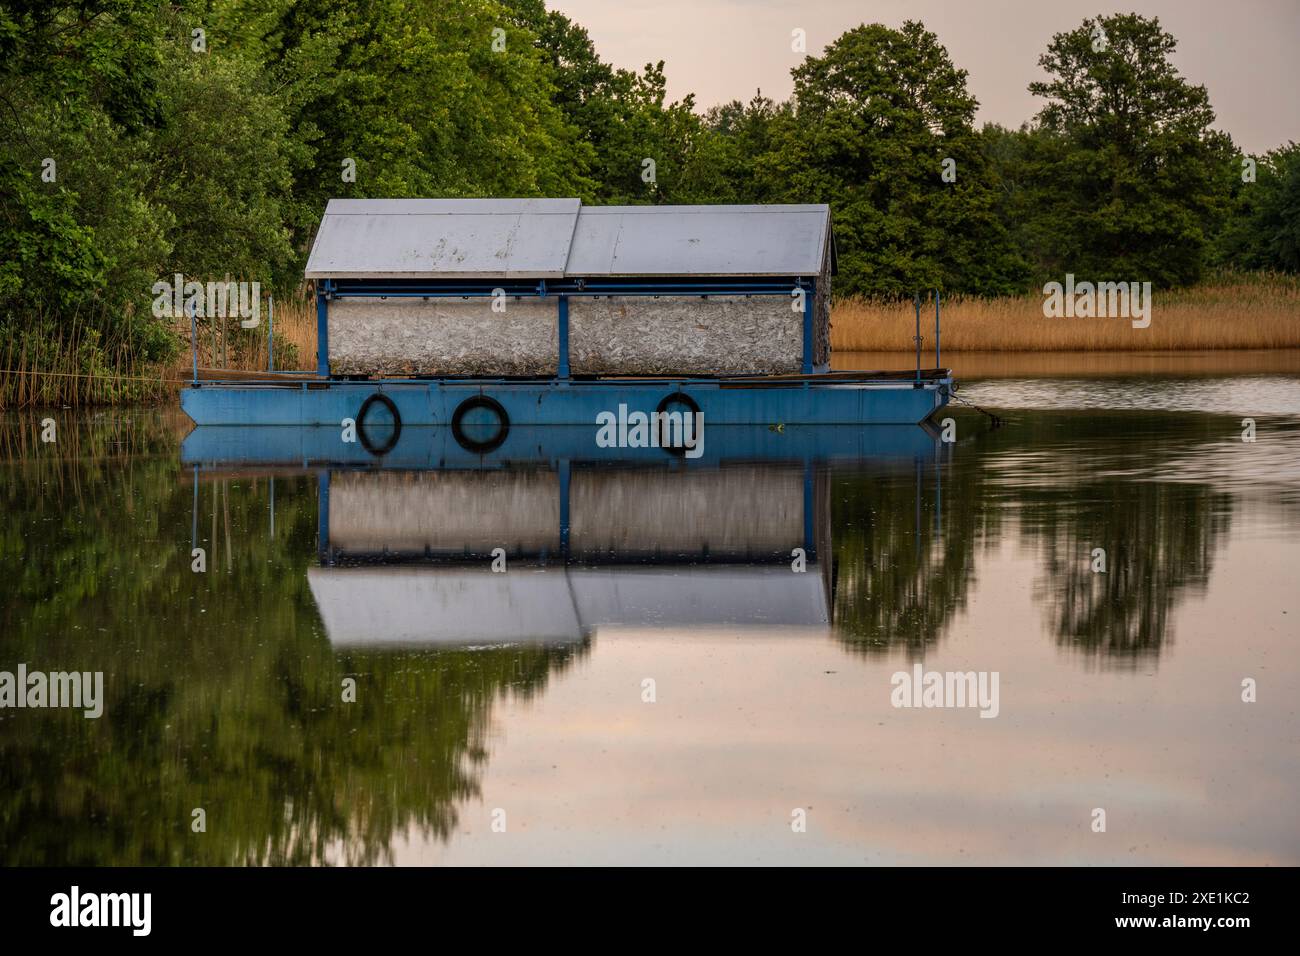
{"x":563,"y":325}
{"x":936,"y":328}
{"x":270,"y":337}
{"x":809,"y":295}
{"x":194,"y":342}
{"x":272,"y":508}
{"x":322,"y":330}
{"x":916,"y":300}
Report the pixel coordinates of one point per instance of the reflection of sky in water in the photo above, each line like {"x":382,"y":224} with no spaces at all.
{"x":1270,"y":464}
{"x":1246,"y":395}
{"x":1147,"y":725}
{"x":747,"y":727}
{"x":1205,"y":447}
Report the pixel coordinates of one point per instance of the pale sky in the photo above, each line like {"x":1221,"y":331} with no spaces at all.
{"x":1243,"y":51}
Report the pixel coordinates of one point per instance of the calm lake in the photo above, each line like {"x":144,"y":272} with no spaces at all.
{"x":674,"y":661}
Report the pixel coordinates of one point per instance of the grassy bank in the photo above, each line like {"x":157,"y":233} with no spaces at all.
{"x":1235,"y":312}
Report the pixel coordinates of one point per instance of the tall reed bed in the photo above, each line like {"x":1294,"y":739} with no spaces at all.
{"x":1228,"y":312}
{"x":50,"y":363}
{"x":46,"y":362}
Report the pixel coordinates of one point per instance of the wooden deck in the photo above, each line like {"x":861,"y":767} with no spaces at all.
{"x":258,"y":377}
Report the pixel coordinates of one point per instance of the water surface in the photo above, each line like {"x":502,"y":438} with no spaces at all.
{"x":520,"y":699}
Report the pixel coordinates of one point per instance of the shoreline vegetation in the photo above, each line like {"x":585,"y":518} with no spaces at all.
{"x":1120,"y":175}
{"x":1230,"y":321}
{"x":74,"y":370}
{"x":1171,"y":363}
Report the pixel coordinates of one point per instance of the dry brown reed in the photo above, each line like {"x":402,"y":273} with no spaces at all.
{"x":1241,"y":312}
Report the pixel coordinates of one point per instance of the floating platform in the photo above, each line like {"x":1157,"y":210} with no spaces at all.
{"x":488,"y":314}
{"x":837,"y":398}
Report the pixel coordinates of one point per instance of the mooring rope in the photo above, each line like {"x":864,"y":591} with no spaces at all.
{"x":108,"y":375}
{"x":996,"y":420}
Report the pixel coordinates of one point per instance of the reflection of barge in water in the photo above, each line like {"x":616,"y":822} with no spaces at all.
{"x":548,"y":312}
{"x":590,"y":537}
{"x":408,"y":556}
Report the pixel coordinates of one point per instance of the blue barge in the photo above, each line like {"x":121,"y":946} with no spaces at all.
{"x":486,"y":314}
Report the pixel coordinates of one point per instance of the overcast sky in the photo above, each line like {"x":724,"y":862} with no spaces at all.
{"x":1243,"y":51}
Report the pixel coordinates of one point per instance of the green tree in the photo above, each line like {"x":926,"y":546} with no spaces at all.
{"x":424,"y":98}
{"x":1139,"y":181}
{"x":78,"y":91}
{"x":877,"y":120}
{"x":748,"y":132}
{"x":221,"y":170}
{"x":1263,"y":228}
{"x":624,"y":118}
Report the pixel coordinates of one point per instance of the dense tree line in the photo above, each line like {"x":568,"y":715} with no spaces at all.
{"x":142,"y":139}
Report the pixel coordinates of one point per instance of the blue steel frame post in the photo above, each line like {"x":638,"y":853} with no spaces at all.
{"x":323,"y":517}
{"x":194,"y":341}
{"x":564,"y":509}
{"x":563,"y":322}
{"x":809,"y":503}
{"x":809,"y":295}
{"x":322,"y":329}
{"x":194,"y":512}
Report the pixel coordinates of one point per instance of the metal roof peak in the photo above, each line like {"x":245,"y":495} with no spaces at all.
{"x":554,"y":238}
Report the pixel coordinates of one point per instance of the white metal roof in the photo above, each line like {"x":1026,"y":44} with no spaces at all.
{"x":699,"y":240}
{"x":461,"y":238}
{"x":555,"y":238}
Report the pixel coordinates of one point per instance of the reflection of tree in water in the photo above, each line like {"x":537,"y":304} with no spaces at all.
{"x":899,"y":578}
{"x":899,"y":581}
{"x":1159,"y":538}
{"x":221,"y":690}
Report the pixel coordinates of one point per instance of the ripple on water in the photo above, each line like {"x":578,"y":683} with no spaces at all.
{"x":1245,"y":395}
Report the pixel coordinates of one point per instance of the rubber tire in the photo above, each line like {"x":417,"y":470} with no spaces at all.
{"x":457,"y":426}
{"x":683,"y":399}
{"x":382,"y":399}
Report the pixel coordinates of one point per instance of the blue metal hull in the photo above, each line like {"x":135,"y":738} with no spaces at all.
{"x":833,"y":401}
{"x":230,"y":446}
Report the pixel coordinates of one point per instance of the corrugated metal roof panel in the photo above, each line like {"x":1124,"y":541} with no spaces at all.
{"x":461,"y":238}
{"x":552,"y":238}
{"x":699,"y":240}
